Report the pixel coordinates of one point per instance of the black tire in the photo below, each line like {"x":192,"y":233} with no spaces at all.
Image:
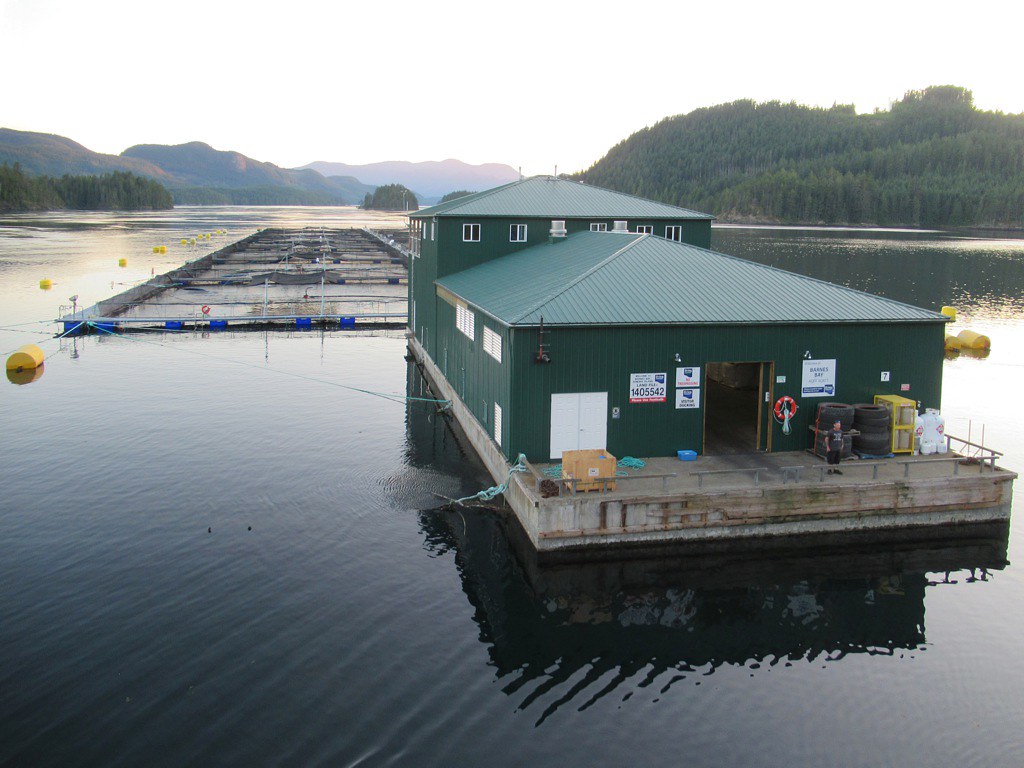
{"x":872,"y":444}
{"x":873,"y":450}
{"x":831,"y":412}
{"x":861,"y":409}
{"x":872,"y":429}
{"x":865,"y":419}
{"x":882,"y":415}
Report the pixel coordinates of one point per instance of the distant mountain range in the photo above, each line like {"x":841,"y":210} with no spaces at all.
{"x":198,"y":174}
{"x":195,"y":173}
{"x":429,"y":180}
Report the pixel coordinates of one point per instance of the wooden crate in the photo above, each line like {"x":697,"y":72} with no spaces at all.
{"x":587,"y":466}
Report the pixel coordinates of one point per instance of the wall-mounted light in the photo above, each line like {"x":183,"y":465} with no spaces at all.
{"x":807,"y":355}
{"x":678,"y":359}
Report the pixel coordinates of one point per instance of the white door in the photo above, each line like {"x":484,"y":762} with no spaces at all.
{"x":594,"y":420}
{"x":578,"y":420}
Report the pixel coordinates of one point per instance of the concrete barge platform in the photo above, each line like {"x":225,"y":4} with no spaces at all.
{"x":749,"y":498}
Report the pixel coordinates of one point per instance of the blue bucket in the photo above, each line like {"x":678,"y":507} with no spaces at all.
{"x":687,"y":455}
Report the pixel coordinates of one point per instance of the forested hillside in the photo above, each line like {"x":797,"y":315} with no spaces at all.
{"x":114,"y":191}
{"x":391,"y":197}
{"x":931,"y":160}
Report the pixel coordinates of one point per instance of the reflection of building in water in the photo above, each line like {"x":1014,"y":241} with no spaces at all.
{"x":574,"y":624}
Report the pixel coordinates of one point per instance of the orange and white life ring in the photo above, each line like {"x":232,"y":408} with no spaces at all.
{"x":785,"y":408}
{"x":206,"y":309}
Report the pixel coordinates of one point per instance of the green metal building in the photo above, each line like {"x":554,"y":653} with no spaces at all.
{"x":643,"y":345}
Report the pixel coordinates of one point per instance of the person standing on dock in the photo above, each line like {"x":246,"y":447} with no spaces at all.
{"x":834,"y":443}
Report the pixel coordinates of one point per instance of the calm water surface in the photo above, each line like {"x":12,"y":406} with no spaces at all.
{"x":213,"y":551}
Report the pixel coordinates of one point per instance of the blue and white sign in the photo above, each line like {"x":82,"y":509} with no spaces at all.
{"x":647,"y":387}
{"x":688,"y":376}
{"x":687,"y":398}
{"x":819,"y":379}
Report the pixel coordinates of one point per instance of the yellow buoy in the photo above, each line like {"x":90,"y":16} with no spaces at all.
{"x":184,"y":241}
{"x":163,"y":249}
{"x":25,"y":358}
{"x":46,"y":283}
{"x":192,"y":241}
{"x":122,"y":262}
{"x":949,"y":312}
{"x":972,"y":340}
{"x":953,"y":342}
{"x":156,"y":249}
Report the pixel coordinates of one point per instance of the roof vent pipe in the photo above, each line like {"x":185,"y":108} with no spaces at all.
{"x":557,"y":231}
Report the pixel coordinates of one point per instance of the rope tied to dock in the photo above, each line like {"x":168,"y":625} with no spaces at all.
{"x":488,"y":494}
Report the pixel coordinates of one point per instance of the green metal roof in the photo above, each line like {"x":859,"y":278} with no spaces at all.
{"x":611,"y":278}
{"x":552,"y":198}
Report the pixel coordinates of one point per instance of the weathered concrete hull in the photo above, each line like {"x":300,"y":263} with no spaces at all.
{"x":723,"y":518}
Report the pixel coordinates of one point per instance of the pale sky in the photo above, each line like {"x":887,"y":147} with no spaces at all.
{"x":530,"y":84}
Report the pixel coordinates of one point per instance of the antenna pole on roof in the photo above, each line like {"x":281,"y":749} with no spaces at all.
{"x":520,"y":173}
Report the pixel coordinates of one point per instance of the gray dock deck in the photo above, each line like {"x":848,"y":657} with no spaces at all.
{"x":275,"y":276}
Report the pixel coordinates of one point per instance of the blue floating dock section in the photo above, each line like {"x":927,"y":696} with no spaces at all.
{"x":303,"y":322}
{"x":392,"y":281}
{"x":687,"y":455}
{"x":173,"y":325}
{"x":347,"y":322}
{"x":217,"y":325}
{"x":341,"y":281}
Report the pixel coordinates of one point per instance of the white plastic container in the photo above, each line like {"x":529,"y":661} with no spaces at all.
{"x":940,"y":433}
{"x":928,"y":447}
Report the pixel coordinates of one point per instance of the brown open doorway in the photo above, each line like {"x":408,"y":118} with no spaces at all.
{"x":737,"y":416}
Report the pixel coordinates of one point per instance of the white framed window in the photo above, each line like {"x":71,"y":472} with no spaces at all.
{"x":598,"y":227}
{"x":497,"y":424}
{"x":464,"y":320}
{"x":674,"y":232}
{"x":471,"y":233}
{"x":414,"y":237}
{"x":517,"y":233}
{"x":492,"y":343}
{"x":645,"y":229}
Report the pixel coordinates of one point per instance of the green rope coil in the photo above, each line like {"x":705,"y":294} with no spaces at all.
{"x":490,"y":493}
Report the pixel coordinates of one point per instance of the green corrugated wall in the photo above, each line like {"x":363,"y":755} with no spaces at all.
{"x":601,"y":360}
